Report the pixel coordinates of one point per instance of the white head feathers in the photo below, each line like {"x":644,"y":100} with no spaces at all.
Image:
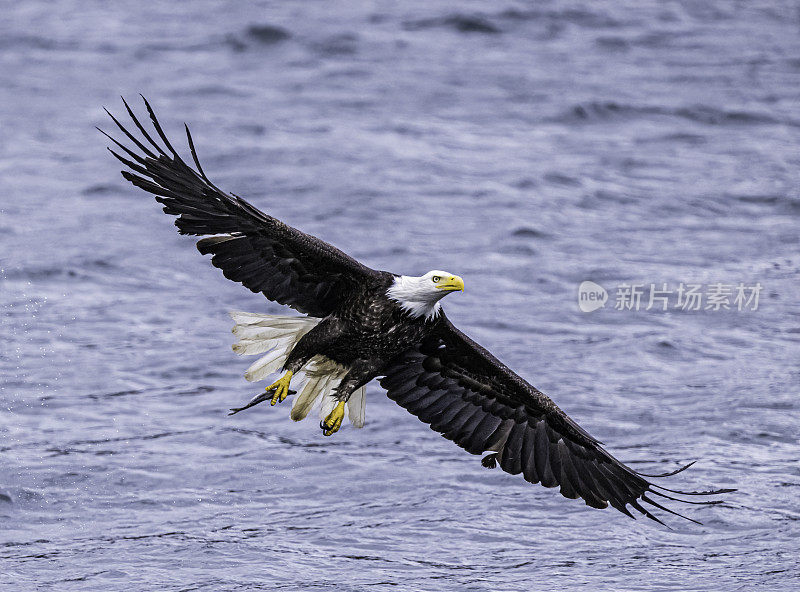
{"x":419,"y":296}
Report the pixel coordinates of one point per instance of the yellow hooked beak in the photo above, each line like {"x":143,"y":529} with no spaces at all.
{"x":451,"y":283}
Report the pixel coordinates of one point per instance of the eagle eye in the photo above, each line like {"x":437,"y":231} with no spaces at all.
{"x":436,"y":279}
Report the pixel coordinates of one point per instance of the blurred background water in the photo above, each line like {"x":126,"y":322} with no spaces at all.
{"x":524,"y":146}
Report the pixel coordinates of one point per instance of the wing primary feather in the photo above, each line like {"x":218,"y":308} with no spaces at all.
{"x":570,"y":473}
{"x":194,"y":154}
{"x":160,"y":132}
{"x":529,"y":455}
{"x":669,"y":474}
{"x":711,"y":492}
{"x":683,"y":501}
{"x":664,"y":508}
{"x":608,"y":491}
{"x":130,"y":164}
{"x":623,"y":494}
{"x":635,"y":504}
{"x":622,"y":507}
{"x":591,"y":491}
{"x":554,"y":458}
{"x":130,"y":136}
{"x":142,"y":130}
{"x":619,"y":482}
{"x":153,"y":188}
{"x":580,"y":472}
{"x":184,"y":177}
{"x":127,"y":150}
{"x":569,"y":488}
{"x":543,"y":468}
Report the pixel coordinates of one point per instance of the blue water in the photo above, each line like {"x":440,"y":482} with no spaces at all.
{"x":524,"y":146}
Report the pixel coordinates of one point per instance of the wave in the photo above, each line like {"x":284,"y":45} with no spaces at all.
{"x":601,"y":111}
{"x":462,"y":23}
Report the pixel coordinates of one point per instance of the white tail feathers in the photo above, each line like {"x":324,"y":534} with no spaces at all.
{"x":276,"y":336}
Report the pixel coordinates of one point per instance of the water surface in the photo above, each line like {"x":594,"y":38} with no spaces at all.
{"x":524,"y":146}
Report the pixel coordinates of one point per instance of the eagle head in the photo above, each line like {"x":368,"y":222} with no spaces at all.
{"x":420,"y":296}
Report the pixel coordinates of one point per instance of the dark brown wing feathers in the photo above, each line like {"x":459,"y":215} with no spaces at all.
{"x":463,"y":392}
{"x":250,"y":247}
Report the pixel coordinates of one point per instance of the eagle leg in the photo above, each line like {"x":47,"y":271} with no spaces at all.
{"x":332,"y":423}
{"x":281,"y":387}
{"x":489,"y":461}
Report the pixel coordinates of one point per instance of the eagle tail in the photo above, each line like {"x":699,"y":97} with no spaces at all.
{"x":275,"y":337}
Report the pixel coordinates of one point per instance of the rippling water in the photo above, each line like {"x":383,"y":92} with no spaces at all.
{"x":524,"y":146}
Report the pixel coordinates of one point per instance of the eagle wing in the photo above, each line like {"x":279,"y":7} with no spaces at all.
{"x":457,"y":387}
{"x":250,"y":247}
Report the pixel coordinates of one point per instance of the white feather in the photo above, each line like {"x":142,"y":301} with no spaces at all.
{"x":356,"y":407}
{"x":307,"y":397}
{"x":250,"y":348}
{"x":275,"y":336}
{"x":261,"y":332}
{"x":418,"y":296}
{"x":267,"y":365}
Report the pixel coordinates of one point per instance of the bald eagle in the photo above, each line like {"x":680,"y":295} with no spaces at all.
{"x":362,"y":324}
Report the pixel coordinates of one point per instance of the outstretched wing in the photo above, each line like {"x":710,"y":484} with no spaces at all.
{"x":250,"y":247}
{"x":466,"y":394}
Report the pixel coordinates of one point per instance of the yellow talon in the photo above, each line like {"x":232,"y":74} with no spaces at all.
{"x":281,"y":387}
{"x":333,"y":422}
